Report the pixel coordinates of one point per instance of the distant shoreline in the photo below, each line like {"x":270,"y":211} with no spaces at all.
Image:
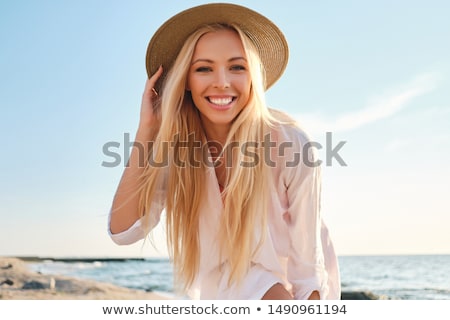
{"x":118,"y":259}
{"x":75,"y":259}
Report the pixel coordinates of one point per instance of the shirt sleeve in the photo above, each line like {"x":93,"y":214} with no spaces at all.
{"x":142,"y":226}
{"x":306,"y":268}
{"x":133,"y":234}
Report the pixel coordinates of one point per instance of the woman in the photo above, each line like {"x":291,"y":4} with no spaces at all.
{"x":242,"y":212}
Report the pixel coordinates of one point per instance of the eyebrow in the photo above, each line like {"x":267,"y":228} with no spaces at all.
{"x":211,"y":61}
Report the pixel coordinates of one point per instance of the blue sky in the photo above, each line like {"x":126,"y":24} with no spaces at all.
{"x":373,"y":73}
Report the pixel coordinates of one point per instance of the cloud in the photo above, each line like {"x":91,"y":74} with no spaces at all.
{"x":380,"y":107}
{"x":397,"y":144}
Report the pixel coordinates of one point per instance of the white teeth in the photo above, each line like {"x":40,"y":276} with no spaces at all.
{"x":221,"y":101}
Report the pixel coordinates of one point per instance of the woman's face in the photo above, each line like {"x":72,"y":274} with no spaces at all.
{"x":219,"y":79}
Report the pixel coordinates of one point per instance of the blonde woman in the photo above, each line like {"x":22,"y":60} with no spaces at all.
{"x":238,"y":184}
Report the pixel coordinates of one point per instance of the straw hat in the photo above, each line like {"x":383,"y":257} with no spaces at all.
{"x":267,"y":37}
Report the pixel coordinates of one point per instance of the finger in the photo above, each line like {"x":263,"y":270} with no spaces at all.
{"x":149,"y":89}
{"x":156,"y":76}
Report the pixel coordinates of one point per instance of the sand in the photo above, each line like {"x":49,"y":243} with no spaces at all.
{"x":18,"y":282}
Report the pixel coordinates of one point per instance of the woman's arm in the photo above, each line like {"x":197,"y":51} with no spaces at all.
{"x":124,"y":211}
{"x":306,"y":268}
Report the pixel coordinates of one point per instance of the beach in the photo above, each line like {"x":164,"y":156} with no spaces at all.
{"x":18,"y":282}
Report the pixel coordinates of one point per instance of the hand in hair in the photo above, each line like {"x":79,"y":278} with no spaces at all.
{"x":125,"y":208}
{"x":148,"y":118}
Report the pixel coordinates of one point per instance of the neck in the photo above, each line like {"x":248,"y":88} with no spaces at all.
{"x":216,"y":133}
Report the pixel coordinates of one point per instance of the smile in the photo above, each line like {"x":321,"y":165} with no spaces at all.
{"x":221,"y":101}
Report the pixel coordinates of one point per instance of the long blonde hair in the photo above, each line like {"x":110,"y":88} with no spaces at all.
{"x":243,"y":220}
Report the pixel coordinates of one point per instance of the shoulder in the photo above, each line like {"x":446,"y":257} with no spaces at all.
{"x":286,"y":129}
{"x":295,"y":153}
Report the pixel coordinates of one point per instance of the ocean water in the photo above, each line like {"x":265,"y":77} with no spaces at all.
{"x":410,"y":277}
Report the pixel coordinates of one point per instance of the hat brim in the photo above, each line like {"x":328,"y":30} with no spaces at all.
{"x":168,"y":40}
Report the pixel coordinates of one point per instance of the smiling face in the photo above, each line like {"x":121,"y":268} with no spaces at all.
{"x":219,"y":79}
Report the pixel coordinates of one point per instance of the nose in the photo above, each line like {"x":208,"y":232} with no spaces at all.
{"x":221,"y":80}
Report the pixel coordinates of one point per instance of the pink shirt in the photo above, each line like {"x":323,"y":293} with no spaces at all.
{"x":297,"y":252}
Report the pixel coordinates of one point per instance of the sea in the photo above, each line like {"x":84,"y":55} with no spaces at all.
{"x":397,"y":277}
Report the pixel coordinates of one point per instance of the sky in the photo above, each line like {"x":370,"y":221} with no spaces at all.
{"x":375,"y":75}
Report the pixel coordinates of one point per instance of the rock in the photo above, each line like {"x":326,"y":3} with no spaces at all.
{"x":8,"y":282}
{"x":33,"y":285}
{"x":7,"y":266}
{"x":358,"y":295}
{"x":52,"y":283}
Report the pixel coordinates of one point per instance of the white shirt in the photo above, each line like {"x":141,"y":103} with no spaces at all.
{"x":297,"y":252}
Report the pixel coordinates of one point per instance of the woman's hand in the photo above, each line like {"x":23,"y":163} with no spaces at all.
{"x":148,"y":116}
{"x":125,"y":210}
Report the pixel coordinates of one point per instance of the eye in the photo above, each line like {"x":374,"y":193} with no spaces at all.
{"x":203,"y":69}
{"x":238,"y":67}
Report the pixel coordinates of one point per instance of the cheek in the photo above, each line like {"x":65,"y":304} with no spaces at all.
{"x":189,"y":82}
{"x":244,"y":84}
{"x":195,"y":84}
{"x":246,"y":87}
